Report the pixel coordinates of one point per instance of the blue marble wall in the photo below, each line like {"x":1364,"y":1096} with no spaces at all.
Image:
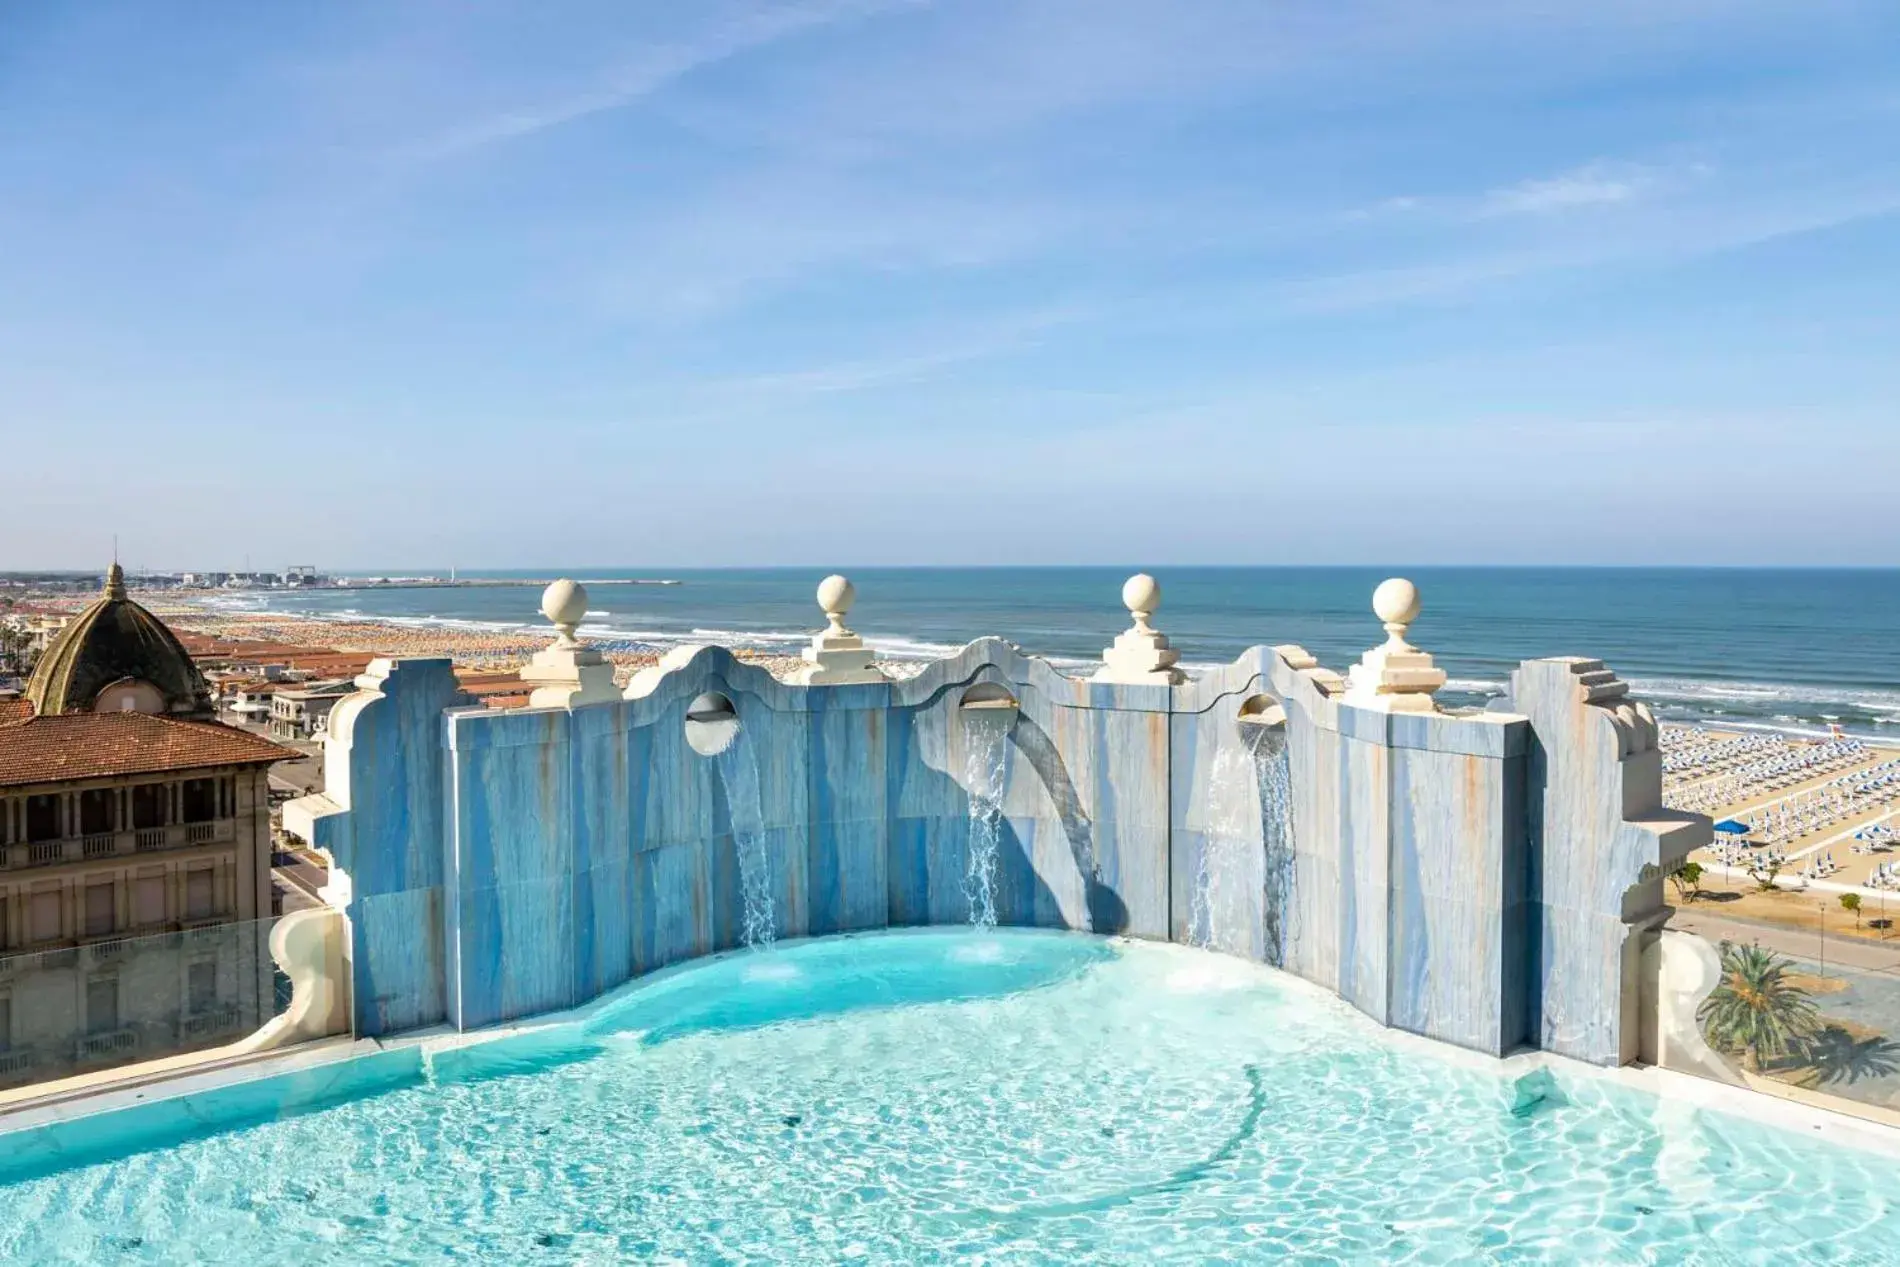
{"x":1405,"y":890}
{"x":1605,"y":845}
{"x":1470,"y":878}
{"x":381,"y":820}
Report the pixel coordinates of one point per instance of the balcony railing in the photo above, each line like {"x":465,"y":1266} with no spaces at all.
{"x":109,"y":1043}
{"x":95,"y":845}
{"x":215,"y":1020}
{"x":105,"y":951}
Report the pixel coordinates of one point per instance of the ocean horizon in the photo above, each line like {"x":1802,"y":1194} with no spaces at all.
{"x":1794,"y":649}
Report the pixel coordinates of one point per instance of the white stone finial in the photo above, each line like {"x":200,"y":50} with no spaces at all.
{"x":836,"y":594}
{"x":1141,"y":656}
{"x":564,"y":603}
{"x":1396,"y":603}
{"x":836,"y":656}
{"x":567,"y":672}
{"x":1395,"y":677}
{"x":1141,"y":595}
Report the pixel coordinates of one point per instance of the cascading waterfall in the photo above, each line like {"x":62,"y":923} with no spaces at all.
{"x":985,"y":760}
{"x":739,"y":771}
{"x":1246,"y":863}
{"x":1276,"y":827}
{"x":1229,"y":869}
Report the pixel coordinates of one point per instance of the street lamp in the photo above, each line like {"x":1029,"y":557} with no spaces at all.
{"x":1823,"y":909}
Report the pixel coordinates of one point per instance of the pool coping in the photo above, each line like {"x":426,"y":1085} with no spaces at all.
{"x":139,"y":1086}
{"x":325,"y":1071}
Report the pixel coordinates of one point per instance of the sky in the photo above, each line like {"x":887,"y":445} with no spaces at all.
{"x":831,"y":282}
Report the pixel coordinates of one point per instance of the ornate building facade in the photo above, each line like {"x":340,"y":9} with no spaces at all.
{"x":135,"y":853}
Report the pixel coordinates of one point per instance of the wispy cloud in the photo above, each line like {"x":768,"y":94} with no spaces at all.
{"x":651,"y":72}
{"x":738,"y":245}
{"x":1729,"y":219}
{"x":1600,"y":183}
{"x":1596,"y":184}
{"x":996,"y":336}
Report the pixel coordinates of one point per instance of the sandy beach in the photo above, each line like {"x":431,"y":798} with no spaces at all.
{"x":1798,"y":792}
{"x":1821,"y":807}
{"x":330,"y":644}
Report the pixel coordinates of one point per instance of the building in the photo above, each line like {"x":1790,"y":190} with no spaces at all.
{"x":117,"y":657}
{"x":301,"y":712}
{"x":249,"y":703}
{"x":135,"y":847}
{"x":40,"y":630}
{"x":225,"y":683}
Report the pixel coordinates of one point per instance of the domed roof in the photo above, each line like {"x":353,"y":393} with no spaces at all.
{"x":113,"y":640}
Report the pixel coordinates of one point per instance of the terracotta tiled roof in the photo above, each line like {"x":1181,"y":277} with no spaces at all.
{"x":510,"y":685}
{"x":101,"y":745}
{"x":12,"y":710}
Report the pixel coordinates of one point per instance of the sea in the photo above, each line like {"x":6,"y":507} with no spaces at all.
{"x":1792,"y":650}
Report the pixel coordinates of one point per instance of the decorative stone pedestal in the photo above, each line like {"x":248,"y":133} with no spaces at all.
{"x":836,"y":656}
{"x":1395,"y":677}
{"x":1141,"y":656}
{"x":568,"y":672}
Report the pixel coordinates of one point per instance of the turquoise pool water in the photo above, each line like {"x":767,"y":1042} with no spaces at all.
{"x":930,"y":1097}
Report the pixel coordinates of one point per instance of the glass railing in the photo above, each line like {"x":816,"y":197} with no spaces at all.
{"x":1782,"y":1012}
{"x":77,"y":1009}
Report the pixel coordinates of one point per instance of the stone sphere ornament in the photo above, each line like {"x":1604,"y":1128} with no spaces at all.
{"x":835,"y":596}
{"x":564,"y":603}
{"x":1141,"y":595}
{"x":1396,"y":604}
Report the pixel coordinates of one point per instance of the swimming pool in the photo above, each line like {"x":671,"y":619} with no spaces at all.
{"x":933,"y":1096}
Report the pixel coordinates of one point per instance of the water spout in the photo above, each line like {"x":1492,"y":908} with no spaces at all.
{"x":739,"y":772}
{"x":1275,"y":781}
{"x":1244,"y":874}
{"x":985,"y":762}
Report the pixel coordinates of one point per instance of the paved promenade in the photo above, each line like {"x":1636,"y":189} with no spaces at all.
{"x":1863,"y":953}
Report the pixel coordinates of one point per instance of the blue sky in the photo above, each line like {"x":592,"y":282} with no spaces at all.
{"x":882,"y":281}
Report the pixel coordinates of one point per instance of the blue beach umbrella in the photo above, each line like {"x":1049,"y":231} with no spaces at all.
{"x":1730,"y":827}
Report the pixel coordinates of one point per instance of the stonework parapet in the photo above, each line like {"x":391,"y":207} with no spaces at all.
{"x":568,"y":672}
{"x":836,"y":656}
{"x":1141,"y":656}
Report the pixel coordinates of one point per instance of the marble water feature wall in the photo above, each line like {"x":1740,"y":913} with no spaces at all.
{"x":1487,"y":878}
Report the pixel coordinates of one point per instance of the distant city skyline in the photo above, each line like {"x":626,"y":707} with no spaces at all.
{"x":886,"y":282}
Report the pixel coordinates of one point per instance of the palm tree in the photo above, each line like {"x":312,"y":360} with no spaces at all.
{"x":12,"y":645}
{"x":1755,"y":1009}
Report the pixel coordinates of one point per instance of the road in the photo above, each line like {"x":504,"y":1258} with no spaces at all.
{"x":295,"y":873}
{"x":1862,"y":953}
{"x":299,"y":877}
{"x":298,"y":777}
